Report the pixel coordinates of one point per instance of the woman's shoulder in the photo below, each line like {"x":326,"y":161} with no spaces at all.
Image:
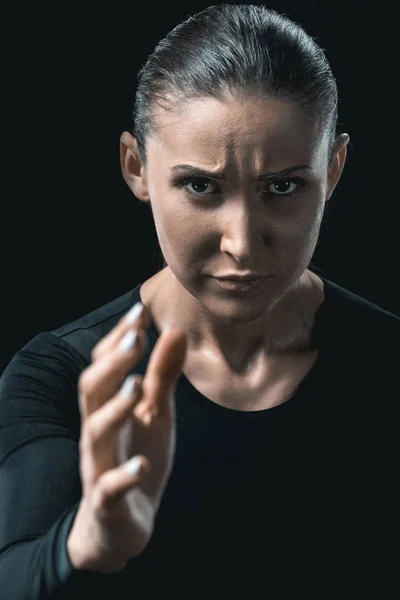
{"x":84,"y":333}
{"x":66,"y":349}
{"x":353,"y":320}
{"x":357,"y":305}
{"x":43,"y":374}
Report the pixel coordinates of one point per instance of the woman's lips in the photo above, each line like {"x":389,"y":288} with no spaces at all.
{"x":241,"y":286}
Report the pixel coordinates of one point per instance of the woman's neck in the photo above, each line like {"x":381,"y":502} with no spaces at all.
{"x":286,"y":329}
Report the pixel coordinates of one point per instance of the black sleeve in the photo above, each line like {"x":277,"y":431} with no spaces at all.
{"x":40,"y":486}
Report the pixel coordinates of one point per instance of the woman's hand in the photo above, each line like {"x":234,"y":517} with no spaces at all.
{"x":127,"y":443}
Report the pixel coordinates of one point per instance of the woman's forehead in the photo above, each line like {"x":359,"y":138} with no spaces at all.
{"x":214,"y":132}
{"x":231,"y":112}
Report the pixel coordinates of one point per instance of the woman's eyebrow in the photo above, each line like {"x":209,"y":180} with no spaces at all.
{"x":197,"y":172}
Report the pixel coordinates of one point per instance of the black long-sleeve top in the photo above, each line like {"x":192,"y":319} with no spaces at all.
{"x":296,"y":497}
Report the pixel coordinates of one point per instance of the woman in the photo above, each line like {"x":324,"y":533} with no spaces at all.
{"x":220,"y":431}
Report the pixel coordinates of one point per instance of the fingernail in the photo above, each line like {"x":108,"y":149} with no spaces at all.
{"x":134,"y":313}
{"x":133,"y":466}
{"x":129,"y":386}
{"x":128,"y":341}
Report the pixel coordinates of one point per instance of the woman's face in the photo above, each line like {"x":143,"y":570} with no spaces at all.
{"x":261,"y":210}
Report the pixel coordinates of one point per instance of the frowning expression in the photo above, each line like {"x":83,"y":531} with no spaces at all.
{"x":237,"y":186}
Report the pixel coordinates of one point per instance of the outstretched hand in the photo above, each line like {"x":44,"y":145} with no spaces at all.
{"x":127,"y":443}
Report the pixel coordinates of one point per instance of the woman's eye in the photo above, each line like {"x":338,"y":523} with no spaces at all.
{"x":282,"y":187}
{"x":199,"y":186}
{"x":204,"y":187}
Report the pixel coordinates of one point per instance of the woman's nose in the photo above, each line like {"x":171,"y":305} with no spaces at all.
{"x":243,"y":233}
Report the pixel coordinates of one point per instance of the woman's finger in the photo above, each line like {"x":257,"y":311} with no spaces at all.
{"x":108,"y":418}
{"x":102,"y":379}
{"x":114,"y":483}
{"x":138,"y":316}
{"x":165,"y":365}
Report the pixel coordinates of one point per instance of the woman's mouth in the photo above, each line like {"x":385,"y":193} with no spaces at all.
{"x":241,"y":286}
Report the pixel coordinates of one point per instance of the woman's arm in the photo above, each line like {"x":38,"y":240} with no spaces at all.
{"x":40,"y":487}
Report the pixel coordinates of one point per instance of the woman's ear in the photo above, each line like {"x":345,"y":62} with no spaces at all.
{"x":336,"y":163}
{"x":133,"y":171}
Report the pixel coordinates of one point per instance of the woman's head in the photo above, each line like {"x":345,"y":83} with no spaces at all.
{"x":242,"y":49}
{"x":241,"y":90}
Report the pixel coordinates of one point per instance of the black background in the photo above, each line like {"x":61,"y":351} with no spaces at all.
{"x":72,"y":234}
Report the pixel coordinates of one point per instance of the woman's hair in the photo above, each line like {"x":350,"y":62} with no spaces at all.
{"x":236,"y":49}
